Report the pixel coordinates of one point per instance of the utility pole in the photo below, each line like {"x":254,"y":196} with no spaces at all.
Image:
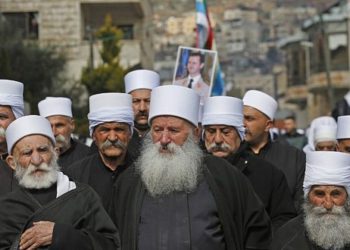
{"x":91,"y":45}
{"x":327,"y":63}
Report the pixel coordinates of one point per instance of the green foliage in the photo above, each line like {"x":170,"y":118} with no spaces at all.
{"x":107,"y":77}
{"x":37,"y":68}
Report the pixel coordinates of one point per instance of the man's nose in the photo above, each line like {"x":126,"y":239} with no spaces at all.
{"x":142,"y":106}
{"x":218,"y":137}
{"x":112,"y":136}
{"x":36,"y":159}
{"x":328,"y":203}
{"x":165,"y":138}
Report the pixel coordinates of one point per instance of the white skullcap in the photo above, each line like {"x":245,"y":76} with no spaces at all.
{"x":110,"y":107}
{"x":174,"y":100}
{"x":327,"y":168}
{"x":11,"y":94}
{"x":141,"y":79}
{"x":325,"y":133}
{"x":343,"y":130}
{"x":261,"y":101}
{"x":55,"y":106}
{"x":320,"y":121}
{"x":224,"y":110}
{"x":28,"y":125}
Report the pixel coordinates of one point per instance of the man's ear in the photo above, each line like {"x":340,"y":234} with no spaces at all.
{"x":268,"y":125}
{"x":196,"y":134}
{"x":11,"y":162}
{"x":57,"y":150}
{"x":72,"y":124}
{"x":202,"y":65}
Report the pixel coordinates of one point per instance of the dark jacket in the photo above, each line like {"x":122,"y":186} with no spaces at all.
{"x":269,"y":184}
{"x":76,"y":152}
{"x":292,"y":236}
{"x":242,"y":215}
{"x":80,"y":220}
{"x":292,"y":163}
{"x":8,"y":182}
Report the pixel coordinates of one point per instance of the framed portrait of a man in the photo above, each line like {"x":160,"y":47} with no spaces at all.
{"x":195,"y":69}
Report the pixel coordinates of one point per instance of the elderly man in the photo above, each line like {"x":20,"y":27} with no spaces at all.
{"x":139,"y":84}
{"x":174,"y":197}
{"x":58,"y":110}
{"x":48,"y":210}
{"x":111,"y":125}
{"x":11,"y":108}
{"x":223,"y":134}
{"x":325,"y":223}
{"x":343,"y":134}
{"x":259,"y":111}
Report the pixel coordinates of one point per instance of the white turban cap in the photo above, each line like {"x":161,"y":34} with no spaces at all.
{"x":327,"y":168}
{"x":110,"y":107}
{"x":319,"y":121}
{"x":55,"y":106}
{"x":224,"y":110}
{"x":174,"y":100}
{"x":261,"y":101}
{"x":28,"y":125}
{"x":343,"y":130}
{"x":141,"y":79}
{"x":11,"y":94}
{"x":325,"y":133}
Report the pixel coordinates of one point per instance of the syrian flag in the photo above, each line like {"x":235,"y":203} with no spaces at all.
{"x":205,"y":40}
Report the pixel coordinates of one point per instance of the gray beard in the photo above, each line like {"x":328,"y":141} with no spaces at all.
{"x":27,"y":180}
{"x":329,"y":230}
{"x":164,"y":173}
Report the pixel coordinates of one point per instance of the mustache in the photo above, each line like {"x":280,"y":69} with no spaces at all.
{"x":142,"y":113}
{"x":218,"y":147}
{"x":60,"y":138}
{"x":2,"y":132}
{"x":117,"y":144}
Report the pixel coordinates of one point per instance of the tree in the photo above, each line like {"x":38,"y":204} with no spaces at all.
{"x":109,"y":75}
{"x":37,"y":68}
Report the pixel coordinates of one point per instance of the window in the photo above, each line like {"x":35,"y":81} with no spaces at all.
{"x":26,"y":23}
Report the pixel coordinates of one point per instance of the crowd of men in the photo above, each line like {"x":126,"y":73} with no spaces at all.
{"x":165,"y":172}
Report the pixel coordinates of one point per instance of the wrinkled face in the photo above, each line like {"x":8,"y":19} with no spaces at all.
{"x":194,"y":65}
{"x":327,"y":196}
{"x":62,"y":128}
{"x":140,"y":103}
{"x":221,"y":140}
{"x":33,"y":150}
{"x":112,"y":139}
{"x":343,"y":145}
{"x":256,"y":124}
{"x":6,"y":117}
{"x":289,"y":125}
{"x":169,"y":129}
{"x":325,"y":146}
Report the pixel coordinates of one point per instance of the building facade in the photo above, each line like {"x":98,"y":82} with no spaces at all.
{"x":69,"y":25}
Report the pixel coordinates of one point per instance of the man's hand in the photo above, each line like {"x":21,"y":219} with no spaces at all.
{"x":40,"y":234}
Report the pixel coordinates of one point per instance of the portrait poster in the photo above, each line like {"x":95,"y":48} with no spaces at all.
{"x":195,"y":69}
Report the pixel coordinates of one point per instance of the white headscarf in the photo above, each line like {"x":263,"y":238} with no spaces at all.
{"x":11,"y":94}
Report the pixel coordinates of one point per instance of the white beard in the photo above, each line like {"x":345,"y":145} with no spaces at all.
{"x":27,"y":179}
{"x":178,"y":170}
{"x":329,"y":230}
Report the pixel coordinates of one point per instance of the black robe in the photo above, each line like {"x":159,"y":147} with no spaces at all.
{"x":269,"y":184}
{"x":80,"y":220}
{"x":244,"y":220}
{"x":91,"y":170}
{"x":292,"y":163}
{"x":8,"y":182}
{"x":76,"y":152}
{"x":292,"y":236}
